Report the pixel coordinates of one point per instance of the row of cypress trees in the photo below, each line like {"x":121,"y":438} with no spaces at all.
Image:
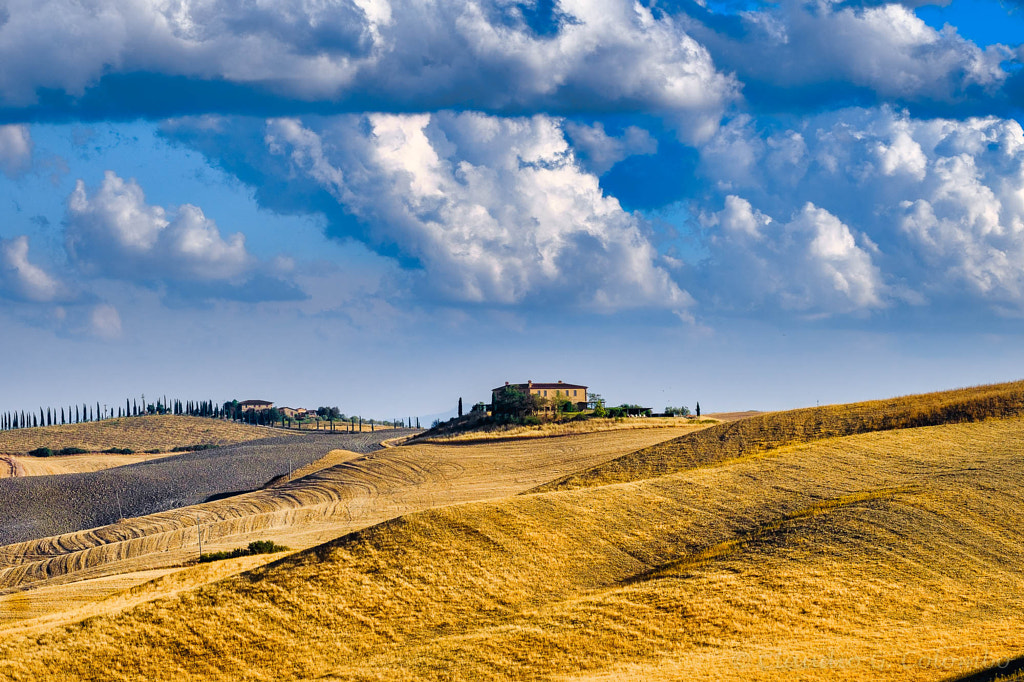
{"x":77,"y":414}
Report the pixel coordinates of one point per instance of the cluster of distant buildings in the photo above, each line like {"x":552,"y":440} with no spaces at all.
{"x":298,"y":413}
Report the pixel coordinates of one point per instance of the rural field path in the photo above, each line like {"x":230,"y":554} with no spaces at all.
{"x":9,"y":467}
{"x":58,"y":579}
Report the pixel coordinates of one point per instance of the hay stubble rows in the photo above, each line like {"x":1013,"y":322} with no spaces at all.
{"x":794,"y":551}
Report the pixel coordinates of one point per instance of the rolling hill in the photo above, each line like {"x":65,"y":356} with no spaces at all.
{"x":889,"y":554}
{"x":154,"y":432}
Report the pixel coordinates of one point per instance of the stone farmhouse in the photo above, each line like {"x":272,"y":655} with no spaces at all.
{"x":575,"y":393}
{"x":257,"y":405}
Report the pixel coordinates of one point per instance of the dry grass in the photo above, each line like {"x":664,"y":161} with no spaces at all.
{"x":339,"y":493}
{"x":156,"y":432}
{"x":777,"y":429}
{"x":14,"y":465}
{"x":888,"y":556}
{"x":552,"y":429}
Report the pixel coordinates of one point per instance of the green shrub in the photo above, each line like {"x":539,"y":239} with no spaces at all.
{"x":41,"y":452}
{"x":531,"y":420}
{"x":195,"y":448}
{"x":119,"y":451}
{"x":255,"y":547}
{"x":71,"y":451}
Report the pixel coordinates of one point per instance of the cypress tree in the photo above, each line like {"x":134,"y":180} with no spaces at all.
{"x":62,"y":416}
{"x":698,"y":410}
{"x":460,"y":407}
{"x":34,"y":424}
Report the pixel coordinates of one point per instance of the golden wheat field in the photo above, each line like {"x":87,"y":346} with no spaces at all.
{"x":342,"y":492}
{"x":154,"y":432}
{"x":793,"y":553}
{"x":569,"y":428}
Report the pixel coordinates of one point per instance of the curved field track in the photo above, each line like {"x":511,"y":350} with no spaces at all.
{"x":885,"y":556}
{"x":50,"y":505}
{"x":345,"y":491}
{"x":153,"y":432}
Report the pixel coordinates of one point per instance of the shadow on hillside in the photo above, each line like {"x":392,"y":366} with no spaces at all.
{"x":1000,"y":671}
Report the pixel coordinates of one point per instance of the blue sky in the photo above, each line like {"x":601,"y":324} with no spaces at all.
{"x":389,"y":204}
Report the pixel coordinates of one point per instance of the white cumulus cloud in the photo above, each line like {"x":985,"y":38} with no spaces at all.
{"x":15,"y":149}
{"x":599,"y":151}
{"x":811,"y":264}
{"x":372,"y":54}
{"x":494,"y":210}
{"x":939,"y":202}
{"x":24,"y":280}
{"x":825,"y":45}
{"x":115,"y":233}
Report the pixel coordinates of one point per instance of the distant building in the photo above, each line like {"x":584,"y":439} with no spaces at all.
{"x":574,"y":393}
{"x":289,"y":412}
{"x":257,"y":405}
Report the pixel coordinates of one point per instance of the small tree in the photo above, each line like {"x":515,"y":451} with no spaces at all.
{"x":698,"y":410}
{"x":514,"y":403}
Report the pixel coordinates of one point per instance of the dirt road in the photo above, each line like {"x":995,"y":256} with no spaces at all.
{"x":8,"y":467}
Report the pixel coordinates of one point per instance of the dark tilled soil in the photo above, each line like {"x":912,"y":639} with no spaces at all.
{"x":41,"y":506}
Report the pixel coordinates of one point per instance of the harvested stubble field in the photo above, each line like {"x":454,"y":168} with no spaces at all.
{"x":44,"y":506}
{"x":154,"y":432}
{"x":339,"y":493}
{"x":568,"y":428}
{"x":777,"y":429}
{"x":23,"y":465}
{"x":891,"y":555}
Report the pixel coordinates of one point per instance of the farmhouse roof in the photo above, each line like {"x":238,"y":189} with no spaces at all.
{"x":255,"y":402}
{"x":561,"y":385}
